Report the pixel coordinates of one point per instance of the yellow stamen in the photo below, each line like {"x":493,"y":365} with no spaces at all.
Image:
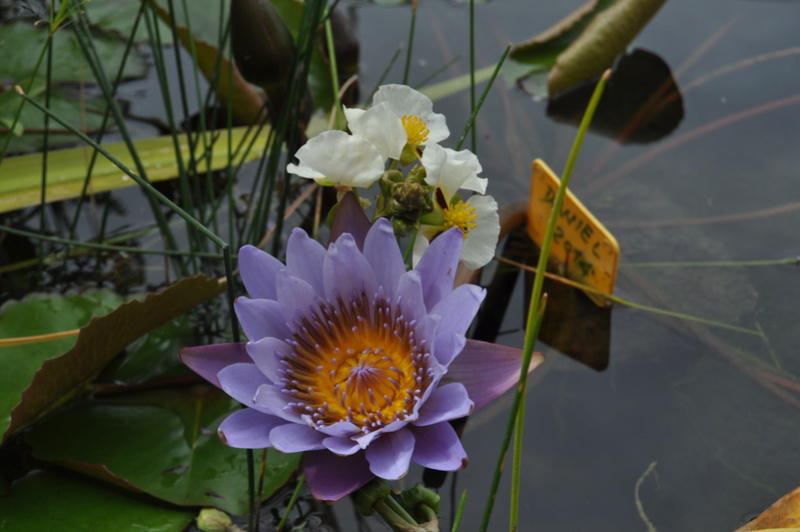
{"x":461,"y":215}
{"x":416,"y":129}
{"x":356,"y":361}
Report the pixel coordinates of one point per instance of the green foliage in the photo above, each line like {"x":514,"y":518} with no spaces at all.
{"x":69,"y":73}
{"x":163,"y":443}
{"x":46,"y":374}
{"x":583,"y":44}
{"x":47,"y":500}
{"x":22,"y":175}
{"x":41,"y":314}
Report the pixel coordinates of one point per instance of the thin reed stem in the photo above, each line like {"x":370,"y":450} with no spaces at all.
{"x":536,"y":297}
{"x":485,"y":93}
{"x":152,"y":192}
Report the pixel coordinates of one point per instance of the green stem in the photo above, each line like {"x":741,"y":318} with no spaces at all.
{"x":536,"y":294}
{"x":79,"y":246}
{"x":477,"y":107}
{"x":119,"y":164}
{"x":295,"y":495}
{"x":391,"y":512}
{"x":410,"y":41}
{"x":532,"y":325}
{"x":472,"y":68}
{"x":337,"y":102}
{"x":461,"y":504}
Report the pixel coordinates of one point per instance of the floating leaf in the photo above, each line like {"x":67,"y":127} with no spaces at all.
{"x":602,"y":41}
{"x":69,"y":63}
{"x":583,"y":44}
{"x":52,"y":501}
{"x":45,"y":384}
{"x":70,"y":72}
{"x":785,"y":512}
{"x":163,"y":443}
{"x":541,"y":51}
{"x":41,"y":314}
{"x":119,"y":16}
{"x":154,"y":355}
{"x":66,"y":169}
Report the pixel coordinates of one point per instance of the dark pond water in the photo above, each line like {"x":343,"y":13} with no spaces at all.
{"x":716,"y":410}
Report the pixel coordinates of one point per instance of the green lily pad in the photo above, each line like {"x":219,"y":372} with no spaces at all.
{"x":69,"y":63}
{"x":41,"y":314}
{"x":163,"y":443}
{"x":47,"y":500}
{"x":154,"y":355}
{"x":42,"y":376}
{"x":581,"y":45}
{"x":70,"y":72}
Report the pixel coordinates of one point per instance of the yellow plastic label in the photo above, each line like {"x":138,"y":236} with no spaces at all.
{"x":586,"y":251}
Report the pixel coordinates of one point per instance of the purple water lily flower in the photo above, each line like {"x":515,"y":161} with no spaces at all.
{"x":354,"y":360}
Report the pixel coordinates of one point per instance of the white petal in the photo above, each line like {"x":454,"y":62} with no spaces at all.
{"x":451,"y":170}
{"x":481,"y":243}
{"x":380,"y":126}
{"x":403,"y":100}
{"x":336,"y":157}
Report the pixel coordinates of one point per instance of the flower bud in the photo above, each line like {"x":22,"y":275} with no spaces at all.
{"x":411,"y":199}
{"x":213,"y":520}
{"x":262,"y":43}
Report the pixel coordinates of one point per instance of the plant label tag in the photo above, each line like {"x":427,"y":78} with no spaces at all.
{"x":582,"y":248}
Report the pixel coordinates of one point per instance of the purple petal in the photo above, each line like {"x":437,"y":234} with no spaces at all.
{"x":438,"y":265}
{"x":488,"y":370}
{"x":383,"y":254}
{"x":459,"y":308}
{"x":248,"y":429}
{"x":350,"y":218}
{"x":447,"y":346}
{"x":331,"y":477}
{"x":241,"y":381}
{"x":267,"y":353}
{"x":438,"y":447}
{"x":208,"y":360}
{"x":346,"y":272}
{"x":409,"y":296}
{"x":341,"y":446}
{"x":304,"y":258}
{"x":295,"y":296}
{"x":389,"y":455}
{"x":273,"y":400}
{"x":258,"y":269}
{"x":295,"y":438}
{"x":447,"y":402}
{"x":341,"y":429}
{"x":261,"y":318}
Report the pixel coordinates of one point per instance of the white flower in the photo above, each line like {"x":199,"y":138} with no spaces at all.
{"x":451,"y":170}
{"x":478,"y":220}
{"x":380,"y":126}
{"x":337,"y":158}
{"x":422,"y":126}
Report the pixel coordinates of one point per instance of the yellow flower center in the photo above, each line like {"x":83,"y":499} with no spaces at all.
{"x":356,"y":361}
{"x":461,"y":215}
{"x":416,"y":129}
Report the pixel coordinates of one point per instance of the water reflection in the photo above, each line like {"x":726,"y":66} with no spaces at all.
{"x":641,"y":104}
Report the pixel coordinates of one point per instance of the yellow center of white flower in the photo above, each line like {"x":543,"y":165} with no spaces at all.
{"x":461,"y":215}
{"x":356,"y":361}
{"x":416,"y":129}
